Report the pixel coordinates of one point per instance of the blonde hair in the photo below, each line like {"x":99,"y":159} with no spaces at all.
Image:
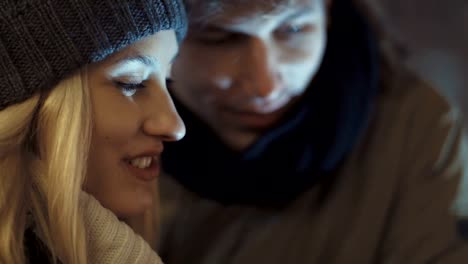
{"x":43,"y":155}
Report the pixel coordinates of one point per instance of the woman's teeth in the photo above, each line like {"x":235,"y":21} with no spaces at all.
{"x":142,"y":163}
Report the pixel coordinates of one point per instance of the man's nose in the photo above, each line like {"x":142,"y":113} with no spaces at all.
{"x":260,"y":70}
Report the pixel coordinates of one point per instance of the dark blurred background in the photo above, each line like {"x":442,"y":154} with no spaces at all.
{"x":435,"y":33}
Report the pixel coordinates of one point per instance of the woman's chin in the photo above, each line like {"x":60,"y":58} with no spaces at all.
{"x":129,"y":209}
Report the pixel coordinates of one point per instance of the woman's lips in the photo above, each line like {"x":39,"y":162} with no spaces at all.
{"x":146,"y":174}
{"x":145,"y":167}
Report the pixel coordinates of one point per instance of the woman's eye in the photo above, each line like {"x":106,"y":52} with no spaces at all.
{"x":129,"y":89}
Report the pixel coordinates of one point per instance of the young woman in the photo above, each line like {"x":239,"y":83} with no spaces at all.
{"x":84,"y":113}
{"x":309,"y":143}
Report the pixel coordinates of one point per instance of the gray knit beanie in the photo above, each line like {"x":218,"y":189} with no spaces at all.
{"x":44,"y":41}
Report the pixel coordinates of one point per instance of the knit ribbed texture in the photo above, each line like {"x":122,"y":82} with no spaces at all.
{"x":111,"y":241}
{"x":43,"y":41}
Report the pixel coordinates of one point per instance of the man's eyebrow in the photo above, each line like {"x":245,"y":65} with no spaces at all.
{"x":205,"y":26}
{"x":301,"y":12}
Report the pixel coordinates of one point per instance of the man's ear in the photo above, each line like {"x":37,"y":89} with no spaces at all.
{"x":328,"y":4}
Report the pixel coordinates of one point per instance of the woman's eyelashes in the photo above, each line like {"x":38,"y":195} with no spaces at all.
{"x":131,"y":88}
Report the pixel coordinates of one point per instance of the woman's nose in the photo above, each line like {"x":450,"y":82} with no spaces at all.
{"x":162,"y":119}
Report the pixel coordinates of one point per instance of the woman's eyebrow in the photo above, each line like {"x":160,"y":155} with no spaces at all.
{"x":149,"y":61}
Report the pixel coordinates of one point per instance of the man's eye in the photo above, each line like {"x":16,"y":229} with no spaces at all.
{"x":129,"y":89}
{"x":169,"y":82}
{"x":288,"y":31}
{"x":217,"y":37}
{"x":214,"y":38}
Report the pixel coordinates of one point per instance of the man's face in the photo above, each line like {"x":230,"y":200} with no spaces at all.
{"x":241,"y":69}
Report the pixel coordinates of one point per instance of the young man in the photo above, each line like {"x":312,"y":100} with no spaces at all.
{"x":307,"y":142}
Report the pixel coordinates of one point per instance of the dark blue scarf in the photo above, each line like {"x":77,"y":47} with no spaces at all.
{"x":35,"y":250}
{"x":307,"y":146}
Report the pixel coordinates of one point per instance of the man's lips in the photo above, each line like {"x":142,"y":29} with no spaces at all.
{"x":253,"y":119}
{"x":259,"y":106}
